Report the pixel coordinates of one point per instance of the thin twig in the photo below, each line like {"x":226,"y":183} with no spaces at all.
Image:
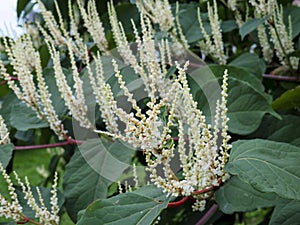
{"x":212,"y":210}
{"x":70,"y":141}
{"x":278,"y":77}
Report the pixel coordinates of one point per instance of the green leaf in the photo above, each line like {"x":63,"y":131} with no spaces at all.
{"x":239,"y":196}
{"x":57,"y":101}
{"x":267,"y":165}
{"x":6,"y":154}
{"x":251,"y":63}
{"x":91,"y":170}
{"x":286,"y":213}
{"x":288,"y":100}
{"x":45,"y":55}
{"x":279,"y":130}
{"x":24,"y":118}
{"x":46,"y":195}
{"x":25,"y":136}
{"x":8,"y":102}
{"x":292,"y":13}
{"x":251,"y":25}
{"x":246,"y":105}
{"x":239,"y":72}
{"x":228,"y":25}
{"x":138,"y":207}
{"x":188,"y":19}
{"x":125,"y":13}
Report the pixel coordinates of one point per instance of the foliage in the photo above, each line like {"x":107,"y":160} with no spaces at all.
{"x":104,"y":177}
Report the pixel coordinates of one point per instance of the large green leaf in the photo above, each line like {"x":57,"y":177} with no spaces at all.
{"x":251,"y":63}
{"x":6,"y":154}
{"x":267,"y":165}
{"x":239,"y":196}
{"x":239,"y":72}
{"x":246,"y":105}
{"x":288,"y":100}
{"x":138,"y":207}
{"x":286,"y":213}
{"x":188,"y":20}
{"x":24,"y":118}
{"x":91,"y":170}
{"x":279,"y":130}
{"x":251,"y":25}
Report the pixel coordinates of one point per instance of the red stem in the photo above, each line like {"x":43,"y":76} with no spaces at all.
{"x":278,"y":77}
{"x":198,"y":192}
{"x":184,"y":199}
{"x":69,"y":141}
{"x":5,"y":81}
{"x":26,"y":220}
{"x":212,"y":210}
{"x":178,"y":203}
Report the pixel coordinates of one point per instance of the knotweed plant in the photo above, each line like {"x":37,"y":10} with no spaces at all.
{"x":203,"y":149}
{"x":127,"y":90}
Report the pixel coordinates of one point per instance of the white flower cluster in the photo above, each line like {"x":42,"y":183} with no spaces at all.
{"x":93,"y":24}
{"x":34,"y":96}
{"x":282,"y":39}
{"x":264,"y":7}
{"x":202,"y":158}
{"x":213,"y":46}
{"x":280,"y":36}
{"x":4,"y":134}
{"x":10,"y":209}
{"x":13,"y":210}
{"x":202,"y":148}
{"x":159,"y":11}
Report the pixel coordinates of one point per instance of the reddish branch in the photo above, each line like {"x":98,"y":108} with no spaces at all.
{"x":5,"y":81}
{"x":69,"y":141}
{"x":212,"y":210}
{"x":178,"y":203}
{"x":278,"y":77}
{"x":25,"y":220}
{"x":184,"y":199}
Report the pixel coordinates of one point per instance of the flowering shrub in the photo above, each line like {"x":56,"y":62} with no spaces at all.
{"x":158,"y":112}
